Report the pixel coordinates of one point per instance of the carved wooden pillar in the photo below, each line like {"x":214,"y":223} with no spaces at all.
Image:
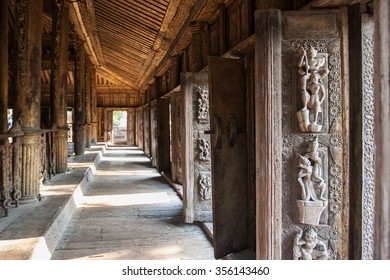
{"x":94,"y":118}
{"x":382,"y":129}
{"x":361,"y":65}
{"x":3,"y":66}
{"x":28,"y":34}
{"x":199,"y":46}
{"x":79,"y":98}
{"x":268,"y":118}
{"x":87,"y":102}
{"x":59,"y":81}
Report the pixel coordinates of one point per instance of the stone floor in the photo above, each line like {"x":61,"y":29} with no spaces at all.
{"x":126,"y":210}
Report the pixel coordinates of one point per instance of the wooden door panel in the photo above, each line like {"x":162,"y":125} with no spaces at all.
{"x":227,"y":85}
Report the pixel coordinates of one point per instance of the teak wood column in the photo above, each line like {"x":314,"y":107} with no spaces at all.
{"x":199,"y":45}
{"x":382,"y":129}
{"x":28,"y":34}
{"x":94,"y":118}
{"x":268,"y":133}
{"x":175,"y":72}
{"x":59,"y":81}
{"x":79,"y":98}
{"x":3,"y":66}
{"x":87,"y":102}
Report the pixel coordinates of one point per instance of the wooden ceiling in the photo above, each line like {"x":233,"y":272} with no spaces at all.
{"x":127,"y":39}
{"x":128,"y":31}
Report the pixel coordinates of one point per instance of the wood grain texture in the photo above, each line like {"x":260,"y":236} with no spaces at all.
{"x":268,"y":133}
{"x":382,"y":129}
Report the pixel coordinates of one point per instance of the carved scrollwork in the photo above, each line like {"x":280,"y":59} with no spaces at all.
{"x":21,"y":28}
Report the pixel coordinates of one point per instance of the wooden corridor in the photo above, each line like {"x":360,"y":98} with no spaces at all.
{"x":131,"y":213}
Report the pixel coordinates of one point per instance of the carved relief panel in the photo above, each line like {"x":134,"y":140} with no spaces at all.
{"x":153,"y":132}
{"x":177,"y":146}
{"x":139,"y":127}
{"x":146,"y":127}
{"x":313,"y":148}
{"x":196,"y":150}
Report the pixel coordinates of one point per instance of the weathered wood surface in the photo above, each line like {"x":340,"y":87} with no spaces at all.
{"x":268,"y":133}
{"x":228,"y":155}
{"x":382,"y":132}
{"x":131,"y":213}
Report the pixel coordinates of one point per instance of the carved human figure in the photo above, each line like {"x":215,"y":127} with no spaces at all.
{"x":312,"y":185}
{"x":205,"y":187}
{"x":203,"y":103}
{"x":204,"y":147}
{"x":309,"y":247}
{"x":312,"y":70}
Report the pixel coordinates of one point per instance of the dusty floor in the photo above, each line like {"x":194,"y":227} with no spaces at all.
{"x":130,"y":212}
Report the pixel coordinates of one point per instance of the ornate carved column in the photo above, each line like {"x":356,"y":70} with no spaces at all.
{"x":28,"y":34}
{"x":382,"y":129}
{"x":199,"y":46}
{"x":94,"y":118}
{"x":3,"y":66}
{"x":59,"y":82}
{"x":87,"y":102}
{"x":79,"y":98}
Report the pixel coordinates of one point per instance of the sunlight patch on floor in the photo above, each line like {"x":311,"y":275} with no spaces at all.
{"x":125,"y":199}
{"x":149,"y":172}
{"x":125,"y":158}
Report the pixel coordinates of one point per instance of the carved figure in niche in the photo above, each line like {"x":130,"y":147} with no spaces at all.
{"x":204,"y":147}
{"x":205,"y":187}
{"x":309,"y":177}
{"x":313,"y":92}
{"x":312,"y":186}
{"x":309,"y":247}
{"x":203,"y":103}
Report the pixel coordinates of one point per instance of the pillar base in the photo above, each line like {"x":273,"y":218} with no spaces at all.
{"x":31,"y":164}
{"x":61,"y":150}
{"x":88,"y":128}
{"x":79,"y":140}
{"x":94,"y":134}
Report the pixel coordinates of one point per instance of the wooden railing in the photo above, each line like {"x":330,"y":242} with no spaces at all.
{"x":48,"y":153}
{"x":10,"y":167}
{"x":10,"y":145}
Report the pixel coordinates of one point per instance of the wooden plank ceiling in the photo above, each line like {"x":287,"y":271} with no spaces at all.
{"x":128,"y":30}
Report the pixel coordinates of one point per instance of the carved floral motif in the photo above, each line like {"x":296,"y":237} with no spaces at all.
{"x":368,"y":147}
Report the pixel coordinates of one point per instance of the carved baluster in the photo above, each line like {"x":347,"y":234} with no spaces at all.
{"x":5,"y":178}
{"x":43,"y":172}
{"x":16,"y":194}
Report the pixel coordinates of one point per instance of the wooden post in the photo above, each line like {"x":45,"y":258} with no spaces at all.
{"x":87,"y":102}
{"x":382,"y":128}
{"x":59,"y":81}
{"x":199,"y":46}
{"x":28,"y":34}
{"x":268,"y":133}
{"x":79,"y":98}
{"x":3,"y":66}
{"x":94,"y":118}
{"x":175,"y":72}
